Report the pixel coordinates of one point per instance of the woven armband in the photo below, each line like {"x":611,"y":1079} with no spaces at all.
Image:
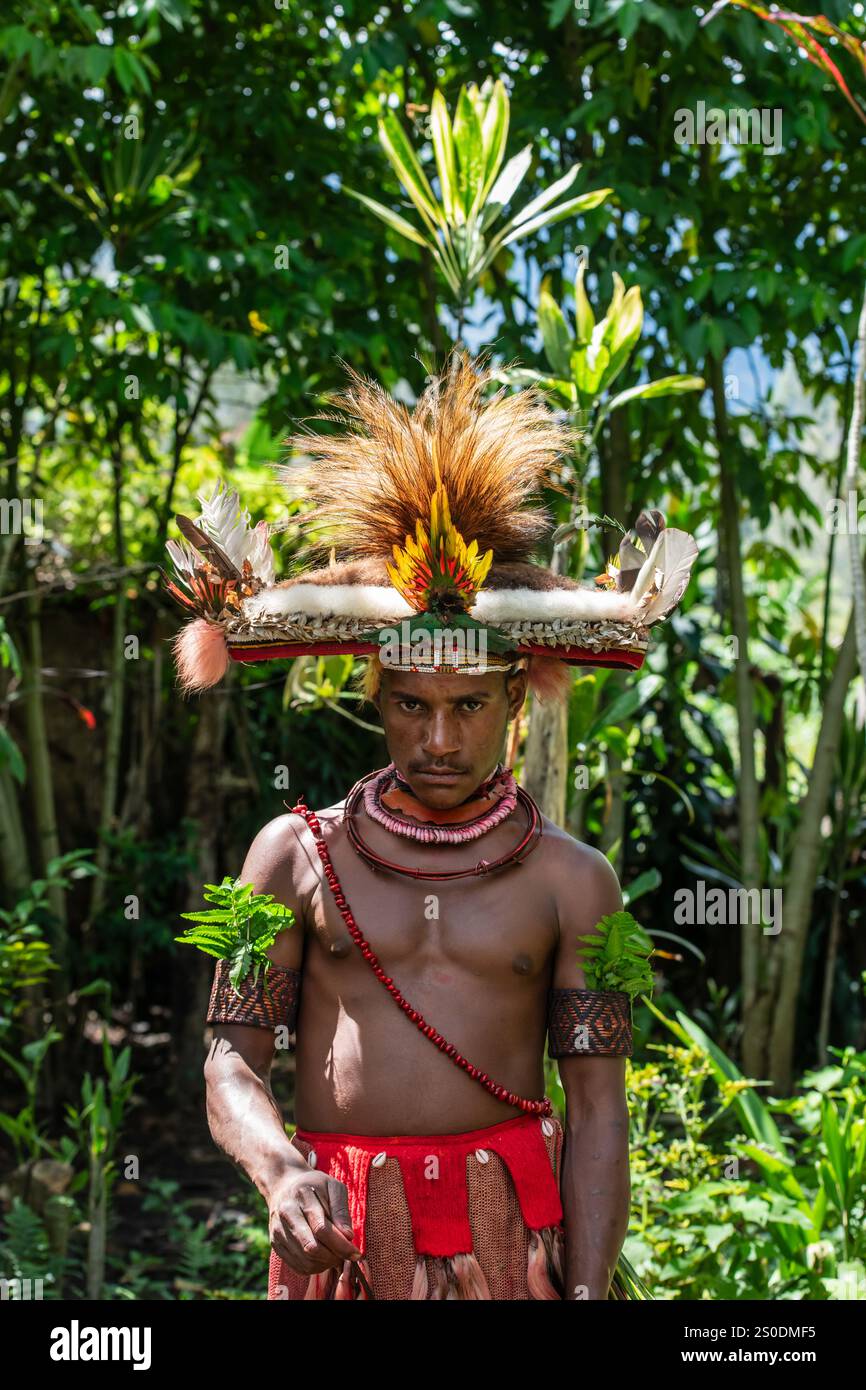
{"x":588,"y":1023}
{"x":270,"y":1005}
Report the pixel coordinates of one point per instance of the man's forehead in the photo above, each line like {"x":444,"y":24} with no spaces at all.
{"x":430,"y":685}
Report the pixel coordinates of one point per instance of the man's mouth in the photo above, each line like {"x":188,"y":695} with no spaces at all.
{"x":439,"y":774}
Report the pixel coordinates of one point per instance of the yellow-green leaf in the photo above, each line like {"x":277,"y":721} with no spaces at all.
{"x":583,"y":309}
{"x":443,"y":149}
{"x":558,"y":342}
{"x":393,"y":219}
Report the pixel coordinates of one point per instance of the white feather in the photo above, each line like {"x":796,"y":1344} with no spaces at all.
{"x":227,"y":523}
{"x":664,"y":575}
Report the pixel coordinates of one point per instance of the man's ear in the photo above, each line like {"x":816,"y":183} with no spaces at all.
{"x":517,"y":693}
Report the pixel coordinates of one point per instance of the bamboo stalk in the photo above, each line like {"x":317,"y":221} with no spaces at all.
{"x":855,"y":432}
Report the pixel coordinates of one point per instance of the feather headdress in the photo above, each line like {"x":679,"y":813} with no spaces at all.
{"x":371,"y":482}
{"x":434,"y":514}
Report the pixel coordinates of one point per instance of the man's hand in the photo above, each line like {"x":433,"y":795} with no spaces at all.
{"x":308,"y":1221}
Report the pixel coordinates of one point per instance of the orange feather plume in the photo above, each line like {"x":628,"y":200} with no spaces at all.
{"x":372,"y":481}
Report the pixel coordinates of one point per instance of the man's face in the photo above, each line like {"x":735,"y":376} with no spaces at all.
{"x":446,"y":733}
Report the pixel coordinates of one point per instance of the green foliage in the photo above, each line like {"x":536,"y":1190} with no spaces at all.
{"x":722,"y":1213}
{"x":240,"y":930}
{"x":25,"y":1252}
{"x":213,"y":245}
{"x":616,"y":956}
{"x":474,"y":187}
{"x":585,"y":363}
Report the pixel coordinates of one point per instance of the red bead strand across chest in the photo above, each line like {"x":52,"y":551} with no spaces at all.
{"x":531,"y":1107}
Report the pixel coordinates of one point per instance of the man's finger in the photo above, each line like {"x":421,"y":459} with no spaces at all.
{"x":297,"y":1228}
{"x":312,"y":1203}
{"x":338,"y":1202}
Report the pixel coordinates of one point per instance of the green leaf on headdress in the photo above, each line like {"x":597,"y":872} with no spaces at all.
{"x":431,"y":624}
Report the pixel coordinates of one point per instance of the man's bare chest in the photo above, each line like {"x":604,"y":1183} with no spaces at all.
{"x":498,"y":926}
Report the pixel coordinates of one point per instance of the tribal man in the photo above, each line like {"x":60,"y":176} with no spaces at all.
{"x":427,"y":1162}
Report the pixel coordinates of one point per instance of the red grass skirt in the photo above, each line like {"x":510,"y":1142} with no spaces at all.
{"x":472,"y":1215}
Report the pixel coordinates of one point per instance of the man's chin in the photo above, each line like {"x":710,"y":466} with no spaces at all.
{"x":440,"y":793}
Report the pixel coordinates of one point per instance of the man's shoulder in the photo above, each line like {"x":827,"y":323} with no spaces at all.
{"x":283,"y":858}
{"x":562,"y":851}
{"x":582,"y":881}
{"x":289,"y":825}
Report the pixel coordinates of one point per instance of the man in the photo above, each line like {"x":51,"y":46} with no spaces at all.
{"x":427,"y":1162}
{"x":479,"y":960}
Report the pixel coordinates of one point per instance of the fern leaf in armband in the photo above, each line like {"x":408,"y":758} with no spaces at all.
{"x":240,"y":929}
{"x":616,"y":955}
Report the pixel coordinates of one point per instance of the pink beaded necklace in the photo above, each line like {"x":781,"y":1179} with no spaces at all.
{"x":500,"y":785}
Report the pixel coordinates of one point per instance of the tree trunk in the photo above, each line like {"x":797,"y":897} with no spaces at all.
{"x":42,"y":792}
{"x":855,"y":432}
{"x":616,"y":464}
{"x":755,"y":1000}
{"x":14,"y":863}
{"x":545,"y":765}
{"x":193,"y":970}
{"x":114,"y":707}
{"x":805,"y":855}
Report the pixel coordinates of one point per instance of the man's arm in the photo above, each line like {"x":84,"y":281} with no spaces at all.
{"x":308,"y":1211}
{"x":595,"y":1168}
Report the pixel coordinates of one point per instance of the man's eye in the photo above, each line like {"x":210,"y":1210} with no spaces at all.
{"x":410,"y":704}
{"x":475,"y":703}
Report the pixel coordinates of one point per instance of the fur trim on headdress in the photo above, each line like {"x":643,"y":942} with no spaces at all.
{"x":201,"y":655}
{"x":372,"y":481}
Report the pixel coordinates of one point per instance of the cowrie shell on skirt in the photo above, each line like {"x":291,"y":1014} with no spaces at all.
{"x":482,"y":1155}
{"x":547,"y":1126}
{"x":311,"y":1158}
{"x":379,"y":1160}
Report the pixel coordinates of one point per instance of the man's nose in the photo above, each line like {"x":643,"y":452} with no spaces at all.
{"x":442,"y":735}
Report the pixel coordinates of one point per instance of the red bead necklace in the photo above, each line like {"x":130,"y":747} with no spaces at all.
{"x":531,"y":1107}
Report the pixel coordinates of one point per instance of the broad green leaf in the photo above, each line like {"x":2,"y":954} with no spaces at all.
{"x":470,"y":151}
{"x":10,"y":756}
{"x":749,"y":1106}
{"x":626,"y":324}
{"x":615,"y":301}
{"x":584,"y":203}
{"x":494,"y":135}
{"x":527,"y":376}
{"x":548,"y":196}
{"x":836,"y":1152}
{"x":779,"y":1167}
{"x":393,"y":219}
{"x":443,"y":149}
{"x":589,"y":363}
{"x":408,"y":169}
{"x":506,"y":185}
{"x":558,"y":341}
{"x":624,"y":706}
{"x":624,"y":329}
{"x":583,"y":309}
{"x":663,"y":386}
